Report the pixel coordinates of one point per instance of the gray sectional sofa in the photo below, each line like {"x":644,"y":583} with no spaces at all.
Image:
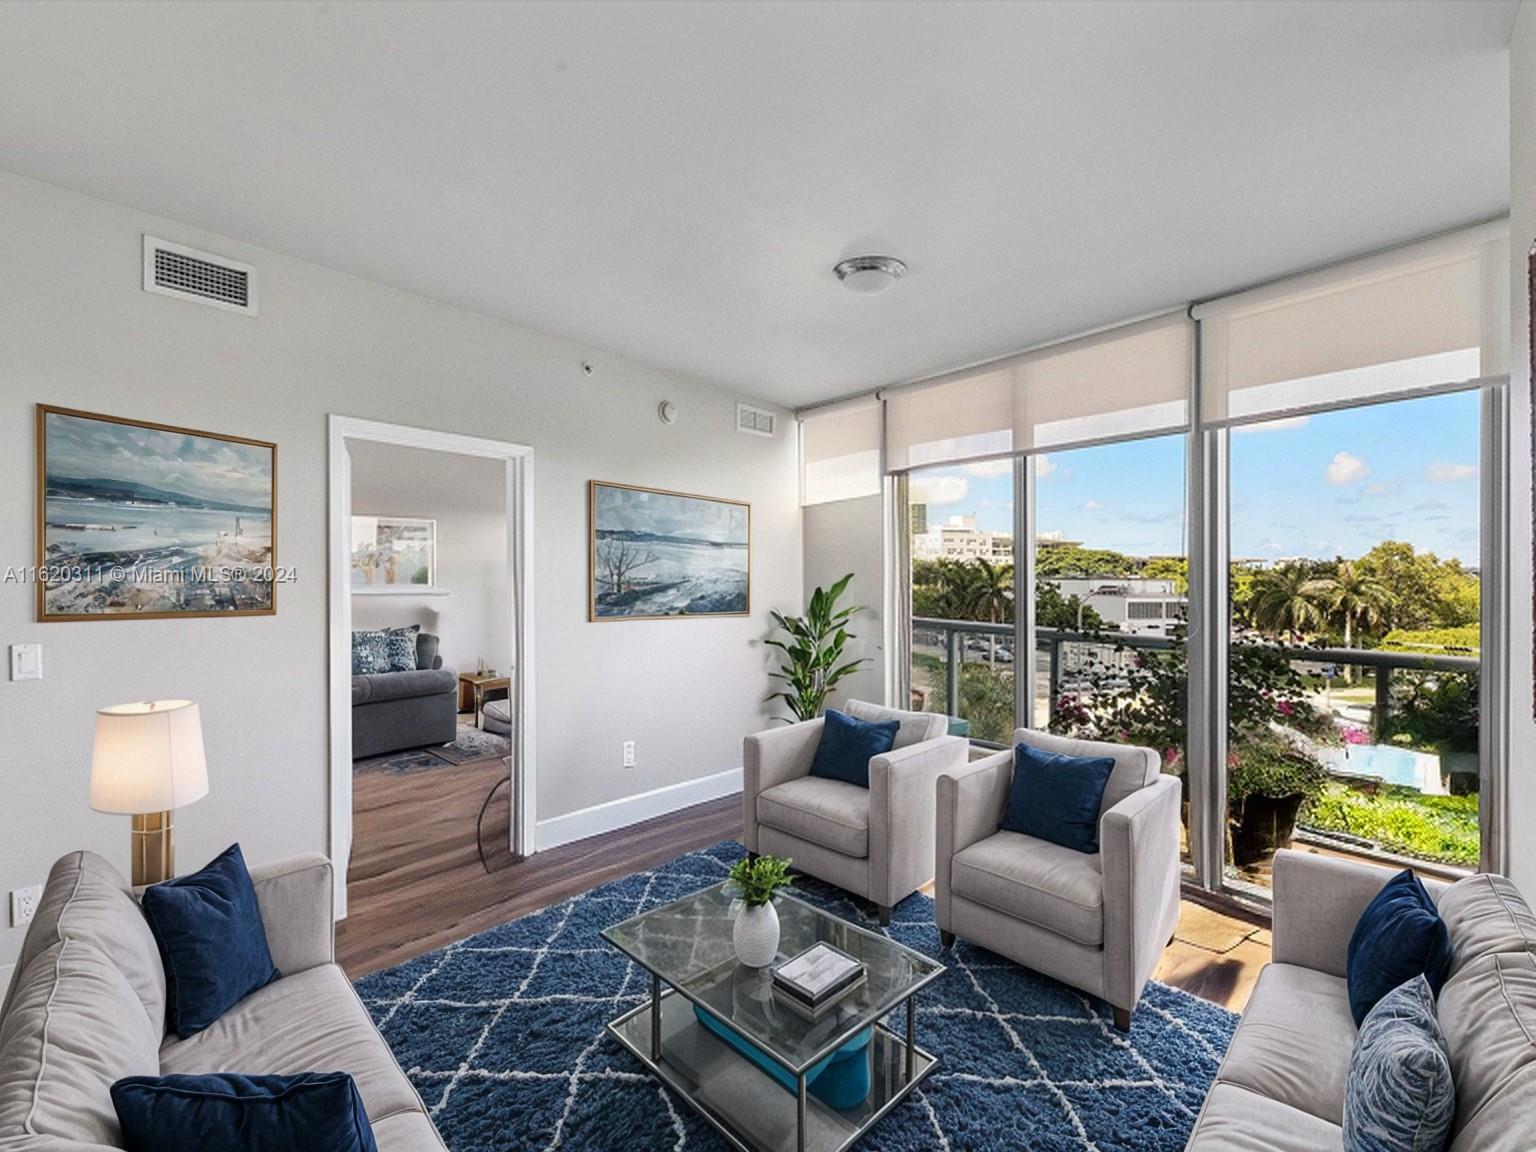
{"x":392,"y":711}
{"x":1281,"y":1086}
{"x":86,"y":1007}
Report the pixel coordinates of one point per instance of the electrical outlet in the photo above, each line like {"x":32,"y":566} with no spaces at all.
{"x":629,"y":753}
{"x":24,"y":903}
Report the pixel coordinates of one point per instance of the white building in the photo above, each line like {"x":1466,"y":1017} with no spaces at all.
{"x":1135,"y":606}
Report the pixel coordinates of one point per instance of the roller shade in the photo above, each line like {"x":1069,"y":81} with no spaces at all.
{"x":840,"y":452}
{"x":1130,"y":381}
{"x":1428,"y":314}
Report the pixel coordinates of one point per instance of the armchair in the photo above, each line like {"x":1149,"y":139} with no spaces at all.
{"x":877,"y":842}
{"x":1098,"y":922}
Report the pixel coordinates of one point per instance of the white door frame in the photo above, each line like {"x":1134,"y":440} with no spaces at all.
{"x":518,"y":459}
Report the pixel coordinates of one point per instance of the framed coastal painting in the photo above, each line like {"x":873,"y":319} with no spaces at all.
{"x":151,"y":521}
{"x":655,"y":554}
{"x":393,"y":552}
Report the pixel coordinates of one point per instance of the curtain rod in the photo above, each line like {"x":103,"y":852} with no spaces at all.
{"x":1187,"y":308}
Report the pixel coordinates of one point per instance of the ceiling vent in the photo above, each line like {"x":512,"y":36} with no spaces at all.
{"x":755,"y":421}
{"x":176,"y":270}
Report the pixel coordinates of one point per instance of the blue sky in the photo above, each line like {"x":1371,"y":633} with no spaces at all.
{"x":1325,"y":485}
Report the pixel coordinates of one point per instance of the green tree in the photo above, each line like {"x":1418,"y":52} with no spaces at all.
{"x":1427,"y":592}
{"x":1286,"y":600}
{"x":1353,"y":597}
{"x":1053,"y":610}
{"x":1058,"y":560}
{"x":1175,"y":568}
{"x":992,"y":598}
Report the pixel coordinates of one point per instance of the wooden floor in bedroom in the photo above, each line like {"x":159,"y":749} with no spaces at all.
{"x":417,"y":881}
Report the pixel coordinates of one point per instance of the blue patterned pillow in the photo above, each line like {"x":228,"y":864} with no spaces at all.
{"x":400,"y":647}
{"x":1399,"y":1097}
{"x":370,"y":653}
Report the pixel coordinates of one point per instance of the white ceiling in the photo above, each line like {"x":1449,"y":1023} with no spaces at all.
{"x":675,"y":181}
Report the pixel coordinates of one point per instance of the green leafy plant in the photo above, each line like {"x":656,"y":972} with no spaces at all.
{"x":1263,"y":762}
{"x":1435,"y":710}
{"x":755,"y":881}
{"x":813,"y":651}
{"x":1402,"y":820}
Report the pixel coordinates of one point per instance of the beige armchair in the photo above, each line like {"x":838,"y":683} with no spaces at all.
{"x":875,"y":842}
{"x":1098,"y":922}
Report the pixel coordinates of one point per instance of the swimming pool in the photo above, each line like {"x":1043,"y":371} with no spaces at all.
{"x":1387,"y":763}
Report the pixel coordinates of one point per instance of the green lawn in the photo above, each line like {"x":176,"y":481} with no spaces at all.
{"x":1402,"y":820}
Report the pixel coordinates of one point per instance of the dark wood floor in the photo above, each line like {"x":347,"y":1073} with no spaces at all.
{"x":417,"y":882}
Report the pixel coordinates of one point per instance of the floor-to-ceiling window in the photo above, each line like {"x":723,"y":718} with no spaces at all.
{"x":1354,"y":666}
{"x":1277,"y":558}
{"x":960,"y":523}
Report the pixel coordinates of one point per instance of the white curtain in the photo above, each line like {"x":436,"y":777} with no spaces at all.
{"x":1130,"y":381}
{"x":1420,"y":316}
{"x":840,"y":452}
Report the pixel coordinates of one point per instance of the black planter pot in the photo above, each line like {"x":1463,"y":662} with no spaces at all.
{"x":1266,"y":825}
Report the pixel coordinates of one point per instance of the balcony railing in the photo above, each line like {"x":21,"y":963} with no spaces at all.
{"x":948,"y":636}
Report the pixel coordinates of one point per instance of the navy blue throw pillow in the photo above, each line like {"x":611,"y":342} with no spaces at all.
{"x":1399,"y":936}
{"x":212,"y":941}
{"x":847,"y":744}
{"x":223,"y":1112}
{"x":1057,"y":798}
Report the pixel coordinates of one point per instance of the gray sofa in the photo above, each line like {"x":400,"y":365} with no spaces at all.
{"x":86,"y":1007}
{"x":1097,"y":922}
{"x":396,"y":710}
{"x":875,"y":842}
{"x":1281,"y":1085}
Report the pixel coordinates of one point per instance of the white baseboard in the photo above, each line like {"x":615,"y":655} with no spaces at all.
{"x":622,"y":813}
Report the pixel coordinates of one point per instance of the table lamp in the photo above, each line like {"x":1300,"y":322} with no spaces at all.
{"x":147,"y":761}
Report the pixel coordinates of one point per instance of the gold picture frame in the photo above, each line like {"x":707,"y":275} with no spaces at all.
{"x":681,"y":549}
{"x":214,"y":550}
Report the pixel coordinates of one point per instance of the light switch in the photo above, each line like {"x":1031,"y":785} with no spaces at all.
{"x":26,"y":661}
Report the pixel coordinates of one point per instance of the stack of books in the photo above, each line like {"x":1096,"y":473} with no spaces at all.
{"x":814,"y":981}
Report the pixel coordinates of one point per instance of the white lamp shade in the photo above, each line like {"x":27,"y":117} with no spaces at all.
{"x":148,"y":757}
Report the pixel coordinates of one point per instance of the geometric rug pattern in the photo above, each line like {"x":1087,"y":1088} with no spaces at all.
{"x":502,"y":1034}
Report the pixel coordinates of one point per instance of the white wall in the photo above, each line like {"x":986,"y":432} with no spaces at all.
{"x":77,"y":330}
{"x":466,"y":495}
{"x":848,"y":536}
{"x":1521,"y":808}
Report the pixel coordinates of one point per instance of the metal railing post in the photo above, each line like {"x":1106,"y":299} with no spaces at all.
{"x":1053,"y":677}
{"x":1383,"y":703}
{"x":952,"y":669}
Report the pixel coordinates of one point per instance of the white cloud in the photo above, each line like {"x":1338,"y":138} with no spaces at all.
{"x":1444,"y":472}
{"x":1347,"y":469}
{"x":1092,"y":506}
{"x":939,"y":489}
{"x":1053,"y":534}
{"x":1044,"y":466}
{"x":986,"y":469}
{"x":1279,"y":425}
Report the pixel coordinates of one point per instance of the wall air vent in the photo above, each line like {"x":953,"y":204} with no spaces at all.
{"x":176,"y":270}
{"x":755,"y":421}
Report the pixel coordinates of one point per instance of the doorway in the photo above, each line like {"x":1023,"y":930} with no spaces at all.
{"x":386,"y":564}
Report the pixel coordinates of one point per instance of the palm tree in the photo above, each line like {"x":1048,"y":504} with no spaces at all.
{"x":1355,"y":597}
{"x":991,"y":595}
{"x":1285,"y":600}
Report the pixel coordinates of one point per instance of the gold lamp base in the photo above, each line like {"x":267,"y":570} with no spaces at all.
{"x":153,"y":848}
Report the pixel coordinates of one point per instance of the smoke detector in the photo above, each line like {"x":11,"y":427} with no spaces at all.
{"x":869,"y":274}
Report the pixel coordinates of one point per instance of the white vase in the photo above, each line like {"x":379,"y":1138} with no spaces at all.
{"x":756,"y":935}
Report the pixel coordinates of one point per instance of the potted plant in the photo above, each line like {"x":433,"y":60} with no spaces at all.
{"x":813,"y":651}
{"x":756,"y":931}
{"x":1269,"y":778}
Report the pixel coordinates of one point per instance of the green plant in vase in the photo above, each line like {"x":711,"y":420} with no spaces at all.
{"x":756,"y":931}
{"x":813,"y":651}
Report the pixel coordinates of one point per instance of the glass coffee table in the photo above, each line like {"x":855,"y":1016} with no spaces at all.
{"x":767,"y":1077}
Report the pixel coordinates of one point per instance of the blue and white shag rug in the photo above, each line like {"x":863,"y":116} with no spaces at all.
{"x":502,"y":1033}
